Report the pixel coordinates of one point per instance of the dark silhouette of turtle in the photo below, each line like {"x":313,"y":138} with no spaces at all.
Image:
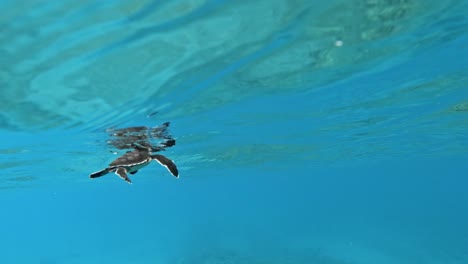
{"x":132,"y":161}
{"x":125,"y":138}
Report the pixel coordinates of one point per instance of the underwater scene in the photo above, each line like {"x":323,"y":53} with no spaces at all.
{"x":234,"y":132}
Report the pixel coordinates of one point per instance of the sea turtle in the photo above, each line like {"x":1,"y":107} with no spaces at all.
{"x":132,"y":161}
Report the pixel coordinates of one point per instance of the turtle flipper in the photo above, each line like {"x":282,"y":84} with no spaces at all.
{"x":122,"y":173}
{"x":169,"y":164}
{"x":99,"y":173}
{"x":133,"y":172}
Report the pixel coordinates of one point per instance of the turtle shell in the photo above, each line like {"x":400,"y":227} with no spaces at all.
{"x":131,"y":158}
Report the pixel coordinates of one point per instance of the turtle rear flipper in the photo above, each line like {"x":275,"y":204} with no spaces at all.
{"x":122,"y":173}
{"x":99,"y":173}
{"x":169,"y":164}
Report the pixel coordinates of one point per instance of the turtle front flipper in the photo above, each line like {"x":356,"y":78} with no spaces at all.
{"x":169,"y":164}
{"x":99,"y":173}
{"x":122,"y":173}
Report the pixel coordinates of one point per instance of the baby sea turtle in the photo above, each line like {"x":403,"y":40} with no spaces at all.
{"x":132,"y":161}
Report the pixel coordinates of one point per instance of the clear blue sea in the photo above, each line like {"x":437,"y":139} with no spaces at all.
{"x":307,"y":132}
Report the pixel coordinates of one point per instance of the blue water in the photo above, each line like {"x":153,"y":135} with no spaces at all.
{"x":328,"y":132}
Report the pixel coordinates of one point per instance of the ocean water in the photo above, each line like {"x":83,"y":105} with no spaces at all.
{"x":318,"y":132}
